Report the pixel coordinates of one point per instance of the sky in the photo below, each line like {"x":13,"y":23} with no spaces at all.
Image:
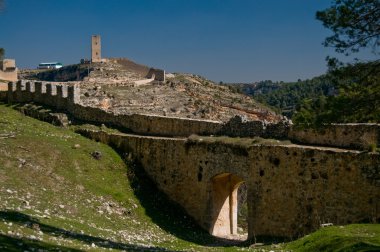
{"x":222,"y":40}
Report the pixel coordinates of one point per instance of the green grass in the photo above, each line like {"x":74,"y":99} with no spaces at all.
{"x":55,"y":196}
{"x":355,"y":237}
{"x":49,"y":178}
{"x":237,"y":141}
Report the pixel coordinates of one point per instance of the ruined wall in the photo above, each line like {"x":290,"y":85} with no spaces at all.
{"x":292,"y":190}
{"x":238,"y":126}
{"x":157,"y":73}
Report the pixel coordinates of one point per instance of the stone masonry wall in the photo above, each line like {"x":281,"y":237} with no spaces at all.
{"x":292,"y":189}
{"x":355,"y":136}
{"x":8,"y":75}
{"x":67,"y":97}
{"x":51,"y":94}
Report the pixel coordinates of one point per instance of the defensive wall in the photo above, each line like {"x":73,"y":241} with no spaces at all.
{"x":351,"y":135}
{"x":66,"y":96}
{"x":292,"y":189}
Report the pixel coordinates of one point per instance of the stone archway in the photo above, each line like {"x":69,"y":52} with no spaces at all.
{"x":224,"y":210}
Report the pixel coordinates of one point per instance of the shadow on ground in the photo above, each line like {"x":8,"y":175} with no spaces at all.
{"x":22,"y":219}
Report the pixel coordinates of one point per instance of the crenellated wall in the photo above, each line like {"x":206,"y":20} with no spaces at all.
{"x":63,"y":96}
{"x":66,"y":96}
{"x":59,"y":96}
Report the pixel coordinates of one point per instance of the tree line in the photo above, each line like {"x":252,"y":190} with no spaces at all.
{"x":348,"y":92}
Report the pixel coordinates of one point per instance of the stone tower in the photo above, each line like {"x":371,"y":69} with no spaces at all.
{"x":96,"y":49}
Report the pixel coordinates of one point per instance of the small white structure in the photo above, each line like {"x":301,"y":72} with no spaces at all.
{"x":50,"y":65}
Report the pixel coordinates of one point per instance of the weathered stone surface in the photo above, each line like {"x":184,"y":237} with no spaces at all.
{"x":67,"y":97}
{"x":351,"y":135}
{"x":8,"y":70}
{"x":292,"y":189}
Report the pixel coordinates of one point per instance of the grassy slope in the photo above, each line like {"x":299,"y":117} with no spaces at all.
{"x":56,"y":196}
{"x":355,"y":237}
{"x":53,"y":194}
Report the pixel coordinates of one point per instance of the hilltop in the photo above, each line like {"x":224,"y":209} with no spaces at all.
{"x":124,"y":87}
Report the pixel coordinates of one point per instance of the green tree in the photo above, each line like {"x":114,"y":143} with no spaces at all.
{"x":358,"y":98}
{"x":355,"y":24}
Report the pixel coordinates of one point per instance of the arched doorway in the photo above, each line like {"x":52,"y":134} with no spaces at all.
{"x":224,"y":201}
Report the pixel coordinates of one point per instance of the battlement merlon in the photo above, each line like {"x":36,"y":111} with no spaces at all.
{"x":38,"y":91}
{"x":30,"y":87}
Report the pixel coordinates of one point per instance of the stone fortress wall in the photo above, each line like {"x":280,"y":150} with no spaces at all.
{"x":292,"y":189}
{"x":66,"y":96}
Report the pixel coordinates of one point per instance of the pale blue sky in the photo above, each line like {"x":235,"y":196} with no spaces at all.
{"x":223,"y":40}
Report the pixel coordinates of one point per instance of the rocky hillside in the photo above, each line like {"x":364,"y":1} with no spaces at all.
{"x":181,"y":95}
{"x":121,"y":85}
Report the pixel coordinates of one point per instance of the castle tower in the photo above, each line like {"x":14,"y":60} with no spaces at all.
{"x":96,"y":49}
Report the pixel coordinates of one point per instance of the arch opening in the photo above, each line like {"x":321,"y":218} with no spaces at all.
{"x":225,"y":205}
